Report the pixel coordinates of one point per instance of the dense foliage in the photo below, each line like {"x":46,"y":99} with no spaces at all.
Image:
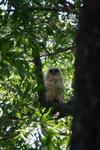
{"x":27,"y":27}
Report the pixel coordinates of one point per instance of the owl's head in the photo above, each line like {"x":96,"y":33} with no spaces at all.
{"x":53,"y":73}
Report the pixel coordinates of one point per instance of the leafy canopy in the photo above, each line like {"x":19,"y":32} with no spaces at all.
{"x":29,"y":28}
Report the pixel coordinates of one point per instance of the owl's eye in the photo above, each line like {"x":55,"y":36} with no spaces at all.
{"x":51,"y":71}
{"x":56,"y":70}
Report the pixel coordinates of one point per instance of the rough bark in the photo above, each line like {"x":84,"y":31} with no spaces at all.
{"x":39,"y":76}
{"x":86,"y":122}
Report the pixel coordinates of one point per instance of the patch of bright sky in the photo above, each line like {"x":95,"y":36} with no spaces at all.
{"x":4,"y":6}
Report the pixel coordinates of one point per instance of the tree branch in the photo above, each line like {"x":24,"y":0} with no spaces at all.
{"x":7,"y":37}
{"x":63,"y":108}
{"x":33,"y":9}
{"x":43,"y":9}
{"x":39,"y":76}
{"x":39,"y":8}
{"x":60,"y":51}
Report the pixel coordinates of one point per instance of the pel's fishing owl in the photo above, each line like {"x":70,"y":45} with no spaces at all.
{"x":54,"y":85}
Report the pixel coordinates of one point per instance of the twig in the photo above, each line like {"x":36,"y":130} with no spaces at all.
{"x":7,"y":37}
{"x":60,"y":51}
{"x":61,"y":30}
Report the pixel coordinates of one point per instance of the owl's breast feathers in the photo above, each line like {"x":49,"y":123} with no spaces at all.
{"x":54,"y":83}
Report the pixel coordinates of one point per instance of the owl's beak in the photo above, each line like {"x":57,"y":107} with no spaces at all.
{"x":53,"y":72}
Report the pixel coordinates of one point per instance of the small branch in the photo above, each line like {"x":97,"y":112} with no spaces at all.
{"x":33,"y":9}
{"x":60,"y":51}
{"x":43,"y":9}
{"x":39,"y":8}
{"x":7,"y":37}
{"x":61,"y":30}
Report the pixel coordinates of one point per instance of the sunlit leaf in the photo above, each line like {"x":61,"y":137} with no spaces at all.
{"x":18,"y":115}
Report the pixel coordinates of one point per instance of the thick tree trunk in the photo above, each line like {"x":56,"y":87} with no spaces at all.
{"x":86,"y":122}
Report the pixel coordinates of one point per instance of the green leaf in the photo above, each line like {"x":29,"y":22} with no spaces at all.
{"x":37,"y":3}
{"x":17,"y":114}
{"x":27,"y":90}
{"x":26,"y":109}
{"x":38,"y":88}
{"x":49,"y":30}
{"x":18,"y":88}
{"x":48,"y":113}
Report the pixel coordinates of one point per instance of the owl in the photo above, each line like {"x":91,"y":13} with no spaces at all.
{"x":54,"y":85}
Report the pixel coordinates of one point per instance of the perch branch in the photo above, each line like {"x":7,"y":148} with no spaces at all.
{"x":63,"y":108}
